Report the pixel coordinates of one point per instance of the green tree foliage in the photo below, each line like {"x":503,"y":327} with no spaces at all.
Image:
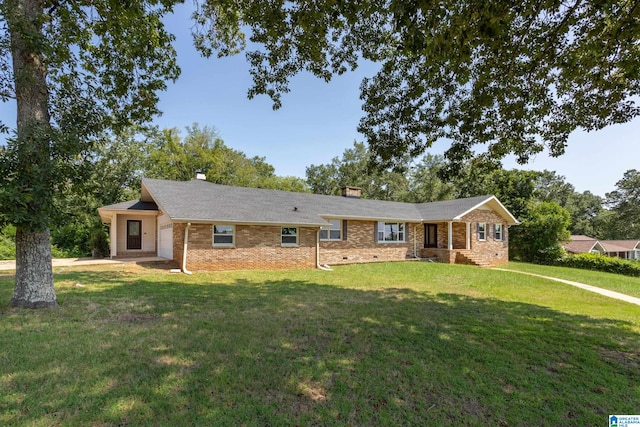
{"x":540,"y":235}
{"x":587,"y":212}
{"x":354,"y":169}
{"x":424,"y":183}
{"x":8,"y":242}
{"x":624,"y":202}
{"x":500,"y":77}
{"x":285,"y":183}
{"x":202,"y":150}
{"x":109,"y":174}
{"x":77,"y":69}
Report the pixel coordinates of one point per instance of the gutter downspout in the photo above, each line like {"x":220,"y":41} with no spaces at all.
{"x":320,"y":267}
{"x":184,"y":250}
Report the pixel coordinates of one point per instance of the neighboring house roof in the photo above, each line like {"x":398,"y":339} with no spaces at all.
{"x":583,"y":245}
{"x":201,"y":201}
{"x":620,"y":245}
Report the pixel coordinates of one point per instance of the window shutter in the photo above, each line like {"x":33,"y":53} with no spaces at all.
{"x":344,"y":229}
{"x":375,"y":231}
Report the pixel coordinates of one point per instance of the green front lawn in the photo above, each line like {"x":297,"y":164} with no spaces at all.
{"x":380,"y":344}
{"x":614,"y":282}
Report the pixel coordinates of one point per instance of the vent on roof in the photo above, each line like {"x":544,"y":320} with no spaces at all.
{"x":353,"y":192}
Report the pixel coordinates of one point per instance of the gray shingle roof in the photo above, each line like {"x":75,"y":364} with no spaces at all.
{"x":206,"y":202}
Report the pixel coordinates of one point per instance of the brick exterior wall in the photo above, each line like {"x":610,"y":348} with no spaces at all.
{"x":490,"y":251}
{"x":361,"y":245}
{"x":255,"y":248}
{"x":259,"y":247}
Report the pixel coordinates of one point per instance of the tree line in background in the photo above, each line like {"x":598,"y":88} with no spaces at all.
{"x":548,"y":206}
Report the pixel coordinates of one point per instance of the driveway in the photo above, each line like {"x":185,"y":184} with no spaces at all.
{"x":70,"y":262}
{"x":605,"y":292}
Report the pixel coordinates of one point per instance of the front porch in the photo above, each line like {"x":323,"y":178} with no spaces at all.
{"x":471,"y":240}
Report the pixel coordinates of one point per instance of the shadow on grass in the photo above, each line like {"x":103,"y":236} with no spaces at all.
{"x":154,"y":352}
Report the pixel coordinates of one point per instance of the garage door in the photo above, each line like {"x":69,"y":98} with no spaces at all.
{"x":165,"y":241}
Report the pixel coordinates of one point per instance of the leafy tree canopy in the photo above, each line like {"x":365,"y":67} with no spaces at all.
{"x":169,"y":156}
{"x":353,"y":169}
{"x":514,"y":77}
{"x":625,"y":203}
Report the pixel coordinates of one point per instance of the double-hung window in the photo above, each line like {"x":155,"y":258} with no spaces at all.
{"x":289,"y":236}
{"x":482,"y":231}
{"x":497,"y":232}
{"x":334,"y":232}
{"x":223,"y":235}
{"x":391,"y":232}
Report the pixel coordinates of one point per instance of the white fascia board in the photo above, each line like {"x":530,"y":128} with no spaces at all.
{"x":370,"y":218}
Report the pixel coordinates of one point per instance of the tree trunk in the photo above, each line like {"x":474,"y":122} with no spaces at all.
{"x":34,"y":275}
{"x":33,"y":161}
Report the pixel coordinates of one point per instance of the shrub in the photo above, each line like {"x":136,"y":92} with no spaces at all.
{"x":8,"y":242}
{"x":601,"y":263}
{"x":538,"y":239}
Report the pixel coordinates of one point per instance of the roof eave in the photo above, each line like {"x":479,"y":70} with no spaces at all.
{"x":370,"y":218}
{"x":243,"y":222}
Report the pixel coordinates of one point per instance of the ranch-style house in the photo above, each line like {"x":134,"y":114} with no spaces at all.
{"x":205,"y":226}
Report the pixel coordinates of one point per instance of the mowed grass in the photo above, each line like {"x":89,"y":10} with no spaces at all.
{"x":614,"y":282}
{"x":380,"y":344}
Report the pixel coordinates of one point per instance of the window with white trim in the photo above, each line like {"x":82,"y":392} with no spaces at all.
{"x":389,"y":232}
{"x":223,"y":235}
{"x":497,"y":232}
{"x":289,"y":236}
{"x":333,"y":233}
{"x":482,"y":231}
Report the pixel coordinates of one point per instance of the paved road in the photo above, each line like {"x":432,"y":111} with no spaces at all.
{"x":605,"y":292}
{"x":70,"y":262}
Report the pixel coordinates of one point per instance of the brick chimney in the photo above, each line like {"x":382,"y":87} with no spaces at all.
{"x":353,"y":192}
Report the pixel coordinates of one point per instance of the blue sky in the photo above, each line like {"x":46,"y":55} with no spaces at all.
{"x":318,"y":120}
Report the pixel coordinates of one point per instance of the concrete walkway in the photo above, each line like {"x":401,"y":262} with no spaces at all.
{"x":70,"y":262}
{"x":605,"y":292}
